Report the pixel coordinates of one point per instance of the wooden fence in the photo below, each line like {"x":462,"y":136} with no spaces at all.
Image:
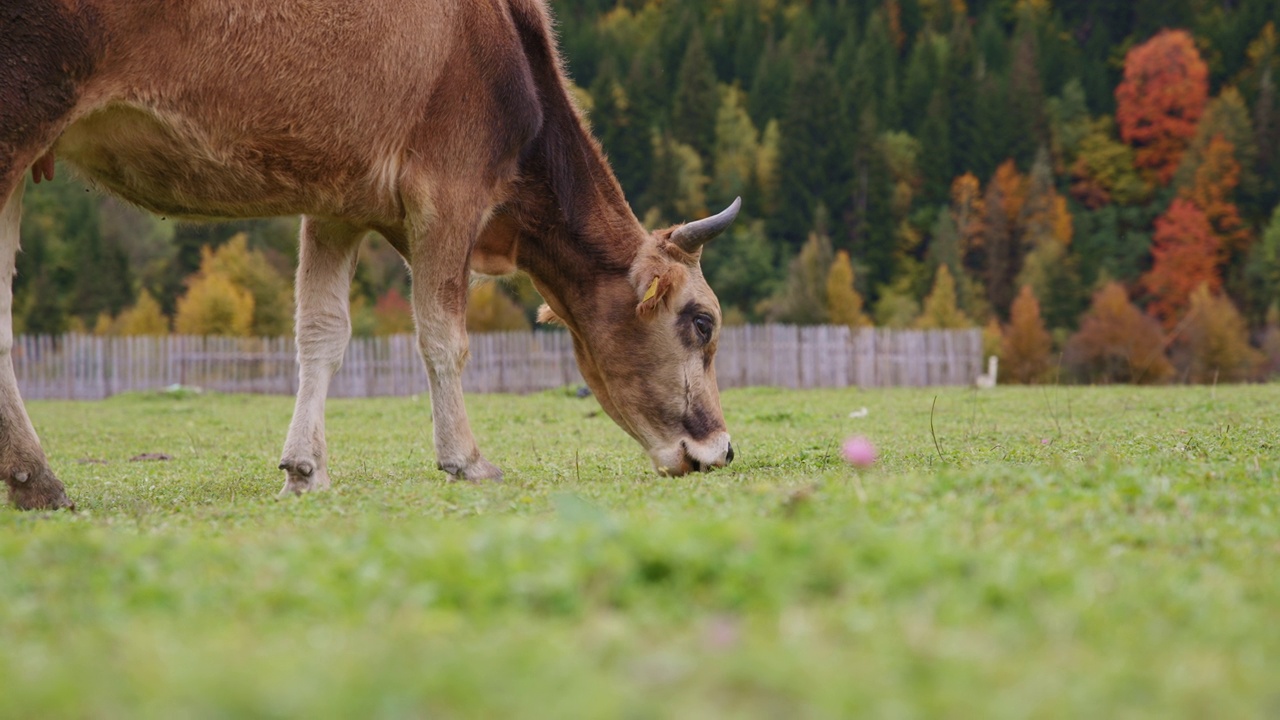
{"x":85,"y":367}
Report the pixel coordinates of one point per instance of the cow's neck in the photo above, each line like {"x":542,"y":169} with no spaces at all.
{"x":578,"y":230}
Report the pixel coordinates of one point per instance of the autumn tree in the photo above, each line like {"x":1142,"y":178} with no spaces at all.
{"x":803,"y":299}
{"x":215,"y":305}
{"x":489,"y":309}
{"x":1104,"y":169}
{"x":1025,"y":347}
{"x":1213,"y":182}
{"x":1117,"y":342}
{"x":392,"y":314}
{"x":1225,"y":118}
{"x":1006,"y":194}
{"x":844,"y":304}
{"x":1185,"y":255}
{"x":143,"y":318}
{"x":1214,"y":346}
{"x":1163,"y":94}
{"x":941,"y":312}
{"x":737,"y":148}
{"x":253,"y":272}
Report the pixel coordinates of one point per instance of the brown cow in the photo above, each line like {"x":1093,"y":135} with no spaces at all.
{"x":443,"y":125}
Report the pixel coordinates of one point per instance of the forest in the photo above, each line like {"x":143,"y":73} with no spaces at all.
{"x":1095,"y":183}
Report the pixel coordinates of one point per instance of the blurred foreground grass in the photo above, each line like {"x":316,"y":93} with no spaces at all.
{"x":1057,"y":552}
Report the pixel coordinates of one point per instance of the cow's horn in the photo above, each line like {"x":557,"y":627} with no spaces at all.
{"x":691,"y":236}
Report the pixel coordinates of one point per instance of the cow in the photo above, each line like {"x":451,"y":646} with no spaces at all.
{"x":445,"y":126}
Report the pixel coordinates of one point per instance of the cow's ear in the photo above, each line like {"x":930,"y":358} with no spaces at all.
{"x":656,"y":292}
{"x":495,"y":250}
{"x":547,"y":316}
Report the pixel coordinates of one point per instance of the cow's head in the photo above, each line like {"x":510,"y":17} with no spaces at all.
{"x":649,"y":352}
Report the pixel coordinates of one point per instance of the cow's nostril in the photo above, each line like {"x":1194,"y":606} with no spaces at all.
{"x":729,"y":458}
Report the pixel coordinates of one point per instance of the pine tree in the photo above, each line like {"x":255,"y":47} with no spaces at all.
{"x":693,"y":112}
{"x":737,"y":149}
{"x":1024,"y":352}
{"x":144,"y":318}
{"x":844,"y":304}
{"x":941,"y":311}
{"x":1215,"y":346}
{"x":813,"y":159}
{"x":803,"y":299}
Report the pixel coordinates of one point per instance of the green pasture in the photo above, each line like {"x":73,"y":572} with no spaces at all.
{"x":1058,"y":552}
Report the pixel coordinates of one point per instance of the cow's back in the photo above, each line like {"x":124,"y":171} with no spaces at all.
{"x":208,"y":108}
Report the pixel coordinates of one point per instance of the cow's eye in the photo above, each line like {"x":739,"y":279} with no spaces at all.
{"x":704,"y":325}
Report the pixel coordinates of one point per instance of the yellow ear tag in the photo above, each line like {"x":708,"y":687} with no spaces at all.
{"x":652,"y":291}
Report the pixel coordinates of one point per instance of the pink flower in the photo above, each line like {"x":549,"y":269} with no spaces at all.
{"x":859,"y":451}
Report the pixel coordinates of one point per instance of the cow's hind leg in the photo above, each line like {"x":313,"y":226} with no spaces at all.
{"x":32,"y":485}
{"x":441,"y":242}
{"x":327,"y":262}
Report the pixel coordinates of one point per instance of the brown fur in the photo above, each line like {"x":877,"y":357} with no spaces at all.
{"x":444,"y":125}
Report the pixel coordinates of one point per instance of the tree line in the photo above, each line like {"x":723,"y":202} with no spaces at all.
{"x":1021,"y":165}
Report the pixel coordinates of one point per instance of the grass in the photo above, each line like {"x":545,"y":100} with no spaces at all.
{"x":1063,"y":552}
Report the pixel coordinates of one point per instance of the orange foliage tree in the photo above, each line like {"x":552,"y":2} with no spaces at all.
{"x":1215,"y":180}
{"x":1186,"y":253}
{"x":1117,"y":342}
{"x":1163,"y":94}
{"x":1024,"y":350}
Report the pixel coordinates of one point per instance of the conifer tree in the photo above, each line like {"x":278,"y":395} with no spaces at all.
{"x":693,"y":111}
{"x":803,"y":299}
{"x":1024,"y":352}
{"x":941,"y":311}
{"x":1214,"y":346}
{"x":144,"y":318}
{"x":844,"y":304}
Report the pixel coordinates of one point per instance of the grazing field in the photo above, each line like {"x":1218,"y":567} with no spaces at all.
{"x":1057,"y":552}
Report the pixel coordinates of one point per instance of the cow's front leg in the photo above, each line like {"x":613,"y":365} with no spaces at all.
{"x":327,"y":262}
{"x":32,"y":485}
{"x":441,"y":272}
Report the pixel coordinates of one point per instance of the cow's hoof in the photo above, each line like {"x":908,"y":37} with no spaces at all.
{"x":302,"y":476}
{"x":38,"y":489}
{"x":478,"y":471}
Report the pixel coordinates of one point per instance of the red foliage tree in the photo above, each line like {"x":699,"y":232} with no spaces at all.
{"x":1187,"y":253}
{"x":1163,"y":94}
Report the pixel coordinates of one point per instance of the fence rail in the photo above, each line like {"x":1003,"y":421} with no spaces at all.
{"x":86,"y":367}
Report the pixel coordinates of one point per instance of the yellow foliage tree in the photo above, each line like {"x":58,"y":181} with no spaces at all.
{"x":214,"y":305}
{"x":940,"y":309}
{"x":491,"y":310}
{"x":1024,"y":351}
{"x":144,"y":318}
{"x":844,"y":304}
{"x":1216,"y":345}
{"x":252,"y":271}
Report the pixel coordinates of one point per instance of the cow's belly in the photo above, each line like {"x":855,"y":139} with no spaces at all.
{"x":177,"y":168}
